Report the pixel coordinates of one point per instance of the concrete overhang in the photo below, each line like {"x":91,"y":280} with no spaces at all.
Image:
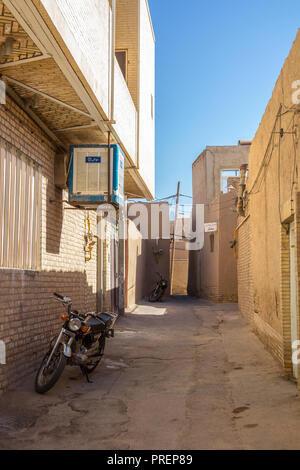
{"x":44,"y":79}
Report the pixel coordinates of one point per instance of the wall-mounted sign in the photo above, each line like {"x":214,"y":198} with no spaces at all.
{"x":92,"y":159}
{"x":211,"y":227}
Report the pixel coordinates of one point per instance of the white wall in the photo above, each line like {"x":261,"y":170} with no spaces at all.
{"x":84,"y":25}
{"x":146,"y":89}
{"x":125,"y":115}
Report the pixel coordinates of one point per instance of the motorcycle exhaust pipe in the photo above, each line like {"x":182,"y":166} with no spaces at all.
{"x":110,"y":333}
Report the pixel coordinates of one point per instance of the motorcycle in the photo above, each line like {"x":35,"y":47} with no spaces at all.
{"x":159,"y":289}
{"x":81,"y":342}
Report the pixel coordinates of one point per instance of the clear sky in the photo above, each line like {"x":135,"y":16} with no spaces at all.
{"x":216,"y":64}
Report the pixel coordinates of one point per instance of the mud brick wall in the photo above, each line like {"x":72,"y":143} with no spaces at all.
{"x":245,"y":294}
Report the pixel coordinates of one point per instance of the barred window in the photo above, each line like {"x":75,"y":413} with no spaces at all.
{"x":20,"y":207}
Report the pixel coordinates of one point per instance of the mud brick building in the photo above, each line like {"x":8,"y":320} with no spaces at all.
{"x":213,"y":269}
{"x":268,"y":230}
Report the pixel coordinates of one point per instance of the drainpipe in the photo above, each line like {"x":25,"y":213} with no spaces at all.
{"x":112,"y":92}
{"x":242,"y":186}
{"x":112,"y":71}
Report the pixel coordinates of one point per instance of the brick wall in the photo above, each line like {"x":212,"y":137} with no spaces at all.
{"x":218,"y":267}
{"x":268,"y":335}
{"x":181,"y":268}
{"x":272,"y":193}
{"x":127,"y":39}
{"x":142,"y":263}
{"x":245,"y":295}
{"x":108,"y":233}
{"x":28,"y":314}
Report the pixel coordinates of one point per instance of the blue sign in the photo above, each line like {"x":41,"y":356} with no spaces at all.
{"x":92,"y":159}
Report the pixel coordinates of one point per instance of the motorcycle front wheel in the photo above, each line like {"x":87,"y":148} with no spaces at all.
{"x":47,"y":377}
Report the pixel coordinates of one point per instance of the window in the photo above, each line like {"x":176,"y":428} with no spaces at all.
{"x":121,"y":57}
{"x":225,"y":174}
{"x":212,"y":243}
{"x":20,"y":202}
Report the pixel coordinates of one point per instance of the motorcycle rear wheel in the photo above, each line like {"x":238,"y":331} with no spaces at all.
{"x":89,"y":368}
{"x":46,"y":379}
{"x":156,"y":295}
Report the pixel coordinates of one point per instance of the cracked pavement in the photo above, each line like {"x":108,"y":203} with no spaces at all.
{"x":185,"y":374}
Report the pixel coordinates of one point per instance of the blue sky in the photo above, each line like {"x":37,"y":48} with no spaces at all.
{"x":216,"y":66}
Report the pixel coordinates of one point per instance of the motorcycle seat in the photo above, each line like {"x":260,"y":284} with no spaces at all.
{"x":106,"y":318}
{"x":97,"y":324}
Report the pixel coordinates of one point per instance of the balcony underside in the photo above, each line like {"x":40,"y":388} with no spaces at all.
{"x":36,"y":82}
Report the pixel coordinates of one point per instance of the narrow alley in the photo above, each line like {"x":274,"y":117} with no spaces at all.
{"x":187,"y":374}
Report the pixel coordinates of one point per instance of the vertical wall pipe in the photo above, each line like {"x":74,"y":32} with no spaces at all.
{"x":242,"y":187}
{"x":112,"y":71}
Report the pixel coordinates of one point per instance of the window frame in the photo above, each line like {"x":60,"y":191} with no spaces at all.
{"x":126,"y":62}
{"x":20,"y":210}
{"x":221,"y":179}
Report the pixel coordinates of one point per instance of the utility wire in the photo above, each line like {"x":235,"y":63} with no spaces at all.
{"x":266,"y":160}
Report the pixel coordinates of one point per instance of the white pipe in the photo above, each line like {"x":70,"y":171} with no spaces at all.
{"x":112,"y":72}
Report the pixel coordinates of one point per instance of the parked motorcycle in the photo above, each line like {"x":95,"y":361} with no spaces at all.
{"x":159,"y":289}
{"x":81,"y":342}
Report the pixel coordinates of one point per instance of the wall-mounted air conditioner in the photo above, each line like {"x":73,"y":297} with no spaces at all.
{"x":88,"y":176}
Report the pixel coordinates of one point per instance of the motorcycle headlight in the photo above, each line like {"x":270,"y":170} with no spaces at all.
{"x":74,"y":324}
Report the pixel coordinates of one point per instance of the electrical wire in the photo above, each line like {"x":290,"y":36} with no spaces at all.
{"x":265,"y":162}
{"x":266,"y":159}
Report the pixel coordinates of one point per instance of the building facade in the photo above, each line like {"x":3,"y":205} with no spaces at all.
{"x":181,"y":255}
{"x":67,"y":83}
{"x":147,"y":250}
{"x":268,"y":231}
{"x":213,"y":269}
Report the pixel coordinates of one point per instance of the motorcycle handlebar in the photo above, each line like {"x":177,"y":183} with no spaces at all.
{"x":65,"y":300}
{"x":58,"y":296}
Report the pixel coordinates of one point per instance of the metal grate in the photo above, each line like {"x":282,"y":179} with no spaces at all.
{"x":20,"y":205}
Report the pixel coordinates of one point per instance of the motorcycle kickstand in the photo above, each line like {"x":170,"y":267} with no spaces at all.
{"x":85,"y":373}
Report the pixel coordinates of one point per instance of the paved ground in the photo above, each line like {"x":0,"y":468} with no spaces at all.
{"x":190,"y":375}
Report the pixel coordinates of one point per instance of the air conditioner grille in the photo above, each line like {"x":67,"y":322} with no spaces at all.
{"x":90,"y":171}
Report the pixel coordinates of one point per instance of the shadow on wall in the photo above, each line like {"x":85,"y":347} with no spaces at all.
{"x":193,"y":274}
{"x":146,"y":256}
{"x":54,"y":219}
{"x":30,"y":316}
